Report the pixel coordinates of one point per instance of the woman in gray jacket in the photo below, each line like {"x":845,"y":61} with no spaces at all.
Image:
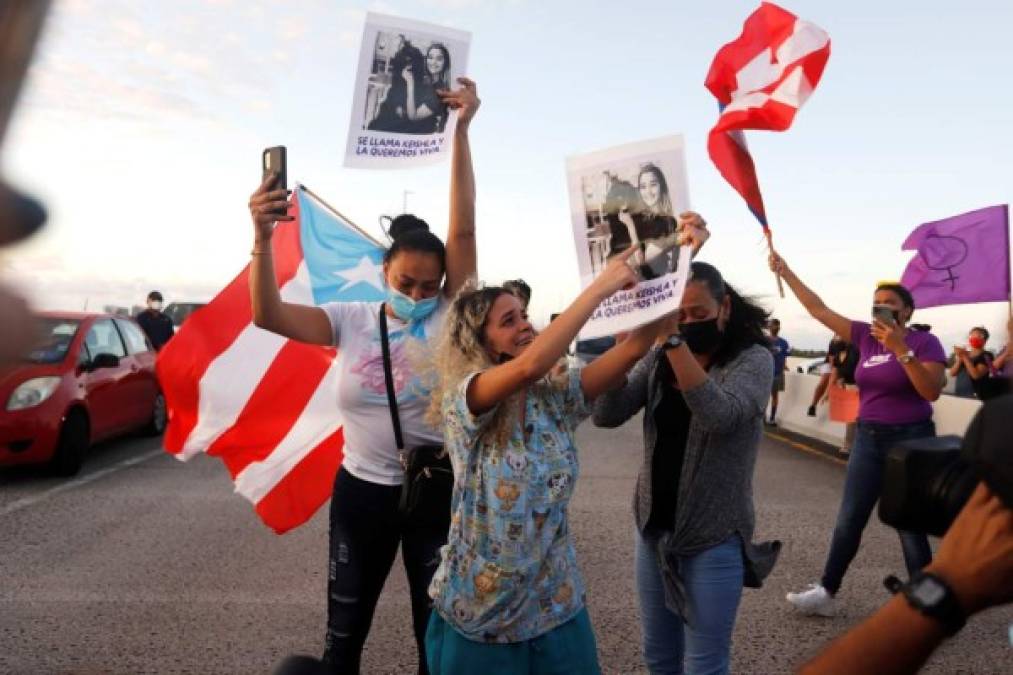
{"x":703,"y":392}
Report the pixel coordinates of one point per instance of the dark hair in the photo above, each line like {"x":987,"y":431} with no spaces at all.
{"x":519,"y":288}
{"x":901,"y":291}
{"x":746,"y":319}
{"x":409,"y":233}
{"x":444,"y":77}
{"x":982,"y":330}
{"x":155,"y":295}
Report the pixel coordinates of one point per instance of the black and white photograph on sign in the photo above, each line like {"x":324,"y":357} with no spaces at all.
{"x":407,"y":73}
{"x":624,"y":197}
{"x":398,"y":118}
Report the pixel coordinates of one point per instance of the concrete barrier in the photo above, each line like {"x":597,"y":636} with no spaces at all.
{"x":951,"y":413}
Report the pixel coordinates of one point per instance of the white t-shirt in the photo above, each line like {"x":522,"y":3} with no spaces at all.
{"x":370,"y":450}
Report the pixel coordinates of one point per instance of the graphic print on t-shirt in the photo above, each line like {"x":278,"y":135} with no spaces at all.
{"x":369,"y":371}
{"x":877,"y":360}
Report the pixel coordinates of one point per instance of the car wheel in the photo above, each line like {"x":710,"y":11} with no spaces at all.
{"x":159,"y":417}
{"x":72,"y":445}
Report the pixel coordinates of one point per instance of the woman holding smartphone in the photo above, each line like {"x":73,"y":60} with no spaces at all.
{"x":422,"y":274}
{"x":900,"y":371}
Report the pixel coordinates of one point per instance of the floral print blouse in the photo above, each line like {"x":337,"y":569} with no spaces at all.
{"x":509,"y":572}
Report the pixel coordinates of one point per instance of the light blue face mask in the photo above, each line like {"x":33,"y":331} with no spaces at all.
{"x":407,"y":309}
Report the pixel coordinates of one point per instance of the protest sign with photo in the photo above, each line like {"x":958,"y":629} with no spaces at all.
{"x":628,"y":196}
{"x":398,"y":120}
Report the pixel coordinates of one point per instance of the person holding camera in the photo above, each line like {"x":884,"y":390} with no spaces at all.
{"x":703,"y":391}
{"x":973,"y":571}
{"x":900,"y":372}
{"x":367,"y":520}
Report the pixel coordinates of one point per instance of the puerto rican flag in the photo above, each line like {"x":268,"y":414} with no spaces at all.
{"x":265,"y":405}
{"x":760,"y":80}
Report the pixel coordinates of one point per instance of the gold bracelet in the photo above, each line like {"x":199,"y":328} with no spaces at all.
{"x":261,"y":251}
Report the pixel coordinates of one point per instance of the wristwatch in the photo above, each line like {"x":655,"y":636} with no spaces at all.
{"x":934,"y":598}
{"x":907,"y":357}
{"x":672,"y":342}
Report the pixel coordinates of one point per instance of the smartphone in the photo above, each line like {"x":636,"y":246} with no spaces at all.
{"x":274,"y":159}
{"x":884,"y":313}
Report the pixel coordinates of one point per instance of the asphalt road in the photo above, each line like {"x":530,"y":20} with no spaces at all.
{"x":147,"y":565}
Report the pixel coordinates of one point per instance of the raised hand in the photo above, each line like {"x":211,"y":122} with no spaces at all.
{"x":464,"y":100}
{"x":693,"y":230}
{"x":267,"y":207}
{"x":618,"y":274}
{"x":890,"y":335}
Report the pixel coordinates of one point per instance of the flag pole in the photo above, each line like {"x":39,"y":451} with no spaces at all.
{"x":340,"y":215}
{"x":770,"y":249}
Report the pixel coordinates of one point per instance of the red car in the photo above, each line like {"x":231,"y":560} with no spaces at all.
{"x":91,"y":377}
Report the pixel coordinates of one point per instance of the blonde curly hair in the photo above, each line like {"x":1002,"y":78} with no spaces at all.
{"x":459,"y":351}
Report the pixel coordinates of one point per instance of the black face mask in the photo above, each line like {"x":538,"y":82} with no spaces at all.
{"x":702,"y":337}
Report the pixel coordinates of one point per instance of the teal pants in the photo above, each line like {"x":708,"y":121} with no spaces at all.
{"x":565,"y":650}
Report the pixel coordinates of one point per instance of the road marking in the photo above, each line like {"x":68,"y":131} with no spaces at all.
{"x":84,"y":480}
{"x":806,"y":448}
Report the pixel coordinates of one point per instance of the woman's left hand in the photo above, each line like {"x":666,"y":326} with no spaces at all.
{"x":694,"y":230}
{"x":464,"y":100}
{"x":890,"y":336}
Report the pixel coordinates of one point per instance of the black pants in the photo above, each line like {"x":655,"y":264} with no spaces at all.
{"x":365,"y":531}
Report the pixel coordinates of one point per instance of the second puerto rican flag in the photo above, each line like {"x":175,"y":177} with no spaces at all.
{"x":760,"y":80}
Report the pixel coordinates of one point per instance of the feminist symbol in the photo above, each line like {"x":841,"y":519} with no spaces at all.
{"x":943,"y":254}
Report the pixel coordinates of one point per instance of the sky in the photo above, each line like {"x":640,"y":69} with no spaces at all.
{"x":142,"y":123}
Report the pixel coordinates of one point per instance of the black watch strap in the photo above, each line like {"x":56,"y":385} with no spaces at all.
{"x":934,"y":598}
{"x":672,"y":342}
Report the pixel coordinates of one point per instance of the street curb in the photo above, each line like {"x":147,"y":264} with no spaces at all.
{"x":807,"y":445}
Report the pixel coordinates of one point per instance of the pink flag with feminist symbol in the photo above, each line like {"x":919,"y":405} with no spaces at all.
{"x":960,"y":260}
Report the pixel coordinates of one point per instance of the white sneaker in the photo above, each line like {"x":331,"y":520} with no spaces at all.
{"x":814,"y":601}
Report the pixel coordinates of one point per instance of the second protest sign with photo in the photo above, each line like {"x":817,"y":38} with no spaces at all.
{"x":398,"y":119}
{"x":630,"y":195}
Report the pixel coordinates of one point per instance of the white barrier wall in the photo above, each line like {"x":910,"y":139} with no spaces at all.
{"x":951,"y":414}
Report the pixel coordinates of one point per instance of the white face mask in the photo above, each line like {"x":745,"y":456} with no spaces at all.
{"x":155,"y":305}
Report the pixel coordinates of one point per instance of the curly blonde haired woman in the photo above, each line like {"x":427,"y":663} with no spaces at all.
{"x":508,"y":596}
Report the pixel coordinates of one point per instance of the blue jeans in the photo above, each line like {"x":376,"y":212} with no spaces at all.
{"x":714,"y":581}
{"x":862,"y":486}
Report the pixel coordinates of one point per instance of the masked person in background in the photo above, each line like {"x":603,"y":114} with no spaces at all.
{"x":20,"y":216}
{"x":703,"y":391}
{"x":367,"y":525}
{"x":156,"y":325}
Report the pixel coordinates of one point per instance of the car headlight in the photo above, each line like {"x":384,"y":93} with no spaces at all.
{"x":32,"y":392}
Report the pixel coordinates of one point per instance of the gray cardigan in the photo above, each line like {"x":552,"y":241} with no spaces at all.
{"x":716,"y":487}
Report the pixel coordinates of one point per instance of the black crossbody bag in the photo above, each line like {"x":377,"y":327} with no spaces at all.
{"x":428,"y":474}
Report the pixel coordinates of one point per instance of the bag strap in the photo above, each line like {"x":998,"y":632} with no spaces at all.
{"x":388,"y":376}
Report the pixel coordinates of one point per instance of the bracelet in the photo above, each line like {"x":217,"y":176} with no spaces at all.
{"x":266,"y":250}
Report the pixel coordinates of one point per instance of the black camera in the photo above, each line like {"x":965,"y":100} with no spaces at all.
{"x":927,"y":481}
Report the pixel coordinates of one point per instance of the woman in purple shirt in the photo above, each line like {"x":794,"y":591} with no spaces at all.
{"x":900,"y":371}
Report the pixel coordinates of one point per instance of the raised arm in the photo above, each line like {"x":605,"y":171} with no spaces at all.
{"x":462,"y":258}
{"x":492,"y":386}
{"x":812,"y":302}
{"x":740,"y":397}
{"x":615,"y":406}
{"x":296,"y":322}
